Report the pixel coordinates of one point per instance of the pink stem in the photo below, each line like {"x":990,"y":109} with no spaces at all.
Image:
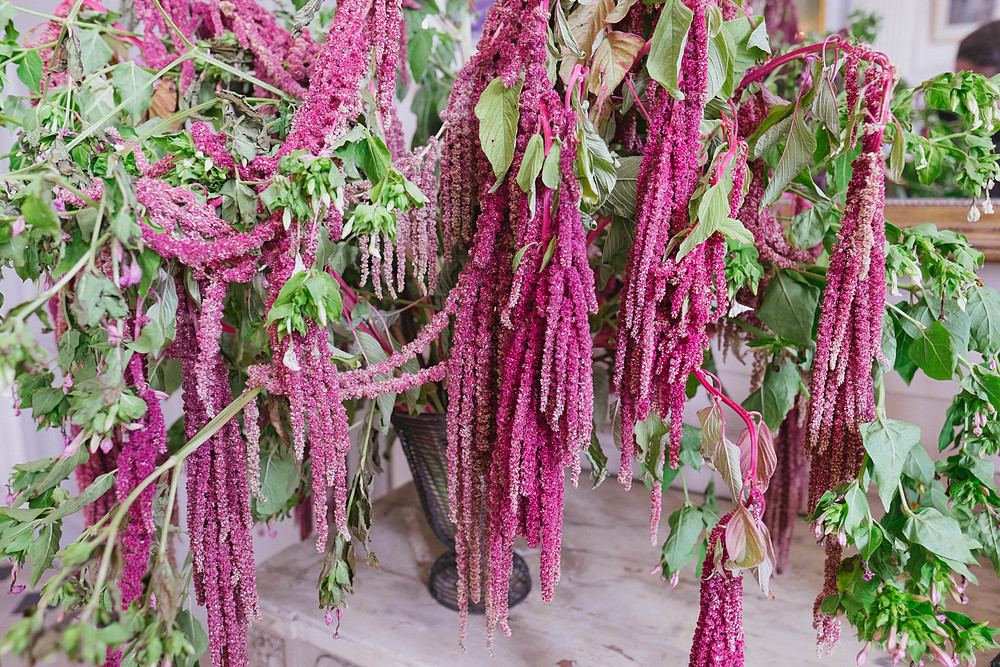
{"x":601,"y":224}
{"x":628,"y":82}
{"x":737,"y":408}
{"x":579,"y":73}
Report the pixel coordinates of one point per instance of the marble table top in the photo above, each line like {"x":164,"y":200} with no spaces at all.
{"x":608,"y":611}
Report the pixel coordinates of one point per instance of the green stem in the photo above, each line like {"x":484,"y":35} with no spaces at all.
{"x":204,"y":57}
{"x":168,"y":515}
{"x":210,"y":429}
{"x":687,"y":498}
{"x":128,"y":100}
{"x":361,"y":458}
{"x":906,"y":505}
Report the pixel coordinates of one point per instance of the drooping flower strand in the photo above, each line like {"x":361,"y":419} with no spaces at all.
{"x":302,"y":370}
{"x":549,"y":348}
{"x":463,"y":165}
{"x":416,"y":228}
{"x":137,"y":460}
{"x":514,"y":332}
{"x":740,"y":541}
{"x":218,"y":517}
{"x":667,"y":305}
{"x":786,"y":497}
{"x":850,"y":325}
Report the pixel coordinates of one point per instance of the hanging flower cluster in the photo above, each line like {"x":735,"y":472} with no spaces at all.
{"x":521,"y":348}
{"x":740,"y":541}
{"x":850,"y":326}
{"x":668,"y":300}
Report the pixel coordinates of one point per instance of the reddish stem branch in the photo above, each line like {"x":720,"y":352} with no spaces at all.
{"x":716,"y":391}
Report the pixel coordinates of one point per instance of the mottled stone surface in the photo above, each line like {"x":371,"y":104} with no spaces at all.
{"x":608,"y":610}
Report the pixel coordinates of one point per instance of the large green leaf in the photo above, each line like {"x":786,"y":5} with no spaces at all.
{"x":94,"y":51}
{"x":983,"y":309}
{"x":29,"y":71}
{"x":191,"y":627}
{"x":43,"y":549}
{"x":278,"y":480}
{"x":935,"y":352}
{"x":686,"y":525}
{"x":531,"y":163}
{"x":666,"y":47}
{"x":796,"y":156}
{"x":621,"y":201}
{"x":97,"y":488}
{"x":133,"y":88}
{"x":789,"y":308}
{"x":713,"y":216}
{"x":888,"y":444}
{"x":498,"y":113}
{"x":776,"y":395}
{"x":941,"y":535}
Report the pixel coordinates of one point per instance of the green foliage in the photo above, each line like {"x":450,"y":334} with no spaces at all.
{"x":307,"y":295}
{"x":498,"y":113}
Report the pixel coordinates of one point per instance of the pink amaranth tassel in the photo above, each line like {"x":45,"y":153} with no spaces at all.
{"x":515,"y":328}
{"x":718,"y":638}
{"x":849,"y":334}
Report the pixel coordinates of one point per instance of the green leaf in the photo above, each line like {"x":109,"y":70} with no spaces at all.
{"x":42,"y":550}
{"x":278,"y":481}
{"x":935,"y":352}
{"x":681,"y":547}
{"x":622,"y":197}
{"x":97,"y":488}
{"x":666,"y":47}
{"x":940,"y":534}
{"x":721,"y":53}
{"x":29,"y":71}
{"x":986,"y":531}
{"x":191,"y":627}
{"x":551,"y":168}
{"x":983,"y":309}
{"x":531,"y":163}
{"x":712,"y":217}
{"x":776,"y":395}
{"x":39,"y":216}
{"x":418,"y":52}
{"x":133,"y":87}
{"x":857,"y":508}
{"x":94,"y":50}
{"x":796,"y":156}
{"x":810,"y":226}
{"x":825,"y":108}
{"x":373,"y":156}
{"x":498,"y":114}
{"x":789,"y":308}
{"x":888,"y":445}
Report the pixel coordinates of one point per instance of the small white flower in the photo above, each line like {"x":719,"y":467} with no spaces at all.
{"x":974,"y":214}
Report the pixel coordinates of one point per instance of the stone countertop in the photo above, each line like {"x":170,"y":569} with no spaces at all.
{"x":608,"y":610}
